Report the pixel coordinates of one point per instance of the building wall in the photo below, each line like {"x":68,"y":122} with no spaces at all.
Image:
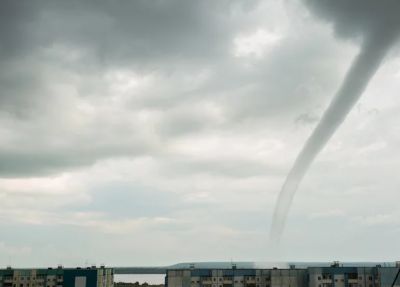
{"x":179,"y":278}
{"x":387,"y":276}
{"x":343,"y":277}
{"x":236,"y":278}
{"x":31,"y":277}
{"x":80,"y":278}
{"x":288,"y":277}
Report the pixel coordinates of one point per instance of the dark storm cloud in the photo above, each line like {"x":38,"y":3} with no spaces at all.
{"x":121,"y":32}
{"x":62,"y":50}
{"x":145,"y":36}
{"x":15,"y":17}
{"x":359,"y":18}
{"x":18,"y":84}
{"x":60,"y":54}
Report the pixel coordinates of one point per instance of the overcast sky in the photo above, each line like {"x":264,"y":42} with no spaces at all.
{"x":157,"y":132}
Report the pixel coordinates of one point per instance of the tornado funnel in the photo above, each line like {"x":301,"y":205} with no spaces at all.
{"x":372,"y":53}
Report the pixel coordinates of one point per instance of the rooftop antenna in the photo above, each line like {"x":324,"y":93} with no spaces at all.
{"x":233,"y":264}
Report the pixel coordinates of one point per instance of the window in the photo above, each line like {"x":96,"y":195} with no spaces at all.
{"x":352,"y":275}
{"x":319,"y":278}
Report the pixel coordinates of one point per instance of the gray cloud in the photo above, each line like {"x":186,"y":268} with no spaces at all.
{"x":56,"y":56}
{"x":358,"y":18}
{"x":67,"y":51}
{"x":138,"y":33}
{"x":127,"y":33}
{"x":306,"y":119}
{"x":15,"y":20}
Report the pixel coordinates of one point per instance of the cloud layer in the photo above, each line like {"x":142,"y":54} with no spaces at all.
{"x":124,"y":123}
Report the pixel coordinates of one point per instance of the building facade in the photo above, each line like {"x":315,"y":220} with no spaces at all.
{"x":57,"y":277}
{"x":330,"y":276}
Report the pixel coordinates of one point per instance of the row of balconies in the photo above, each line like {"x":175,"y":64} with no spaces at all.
{"x":228,"y":280}
{"x":251,"y":279}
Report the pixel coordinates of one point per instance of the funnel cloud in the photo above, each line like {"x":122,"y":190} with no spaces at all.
{"x":377,"y":24}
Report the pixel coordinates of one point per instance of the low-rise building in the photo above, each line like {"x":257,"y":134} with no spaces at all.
{"x":57,"y":277}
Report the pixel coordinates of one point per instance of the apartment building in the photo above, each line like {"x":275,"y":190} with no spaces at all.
{"x":327,"y":276}
{"x":237,"y":278}
{"x":57,"y":277}
{"x":336,"y":276}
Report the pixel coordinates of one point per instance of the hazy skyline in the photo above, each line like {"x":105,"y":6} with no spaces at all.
{"x":156,"y":132}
